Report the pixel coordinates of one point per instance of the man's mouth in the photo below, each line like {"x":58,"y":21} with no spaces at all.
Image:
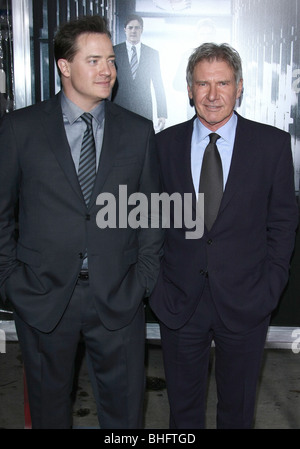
{"x":212,"y":107}
{"x":103,"y":83}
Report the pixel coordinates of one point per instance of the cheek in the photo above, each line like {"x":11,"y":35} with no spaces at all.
{"x":80,"y":76}
{"x":198,"y":97}
{"x":113,"y":72}
{"x":231,"y":100}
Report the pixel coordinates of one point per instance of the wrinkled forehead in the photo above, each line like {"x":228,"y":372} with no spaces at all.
{"x":216,"y":63}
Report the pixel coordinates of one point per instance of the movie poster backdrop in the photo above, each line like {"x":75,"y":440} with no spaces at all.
{"x":267,"y":36}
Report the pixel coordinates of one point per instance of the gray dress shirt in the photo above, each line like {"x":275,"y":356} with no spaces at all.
{"x":75,"y":128}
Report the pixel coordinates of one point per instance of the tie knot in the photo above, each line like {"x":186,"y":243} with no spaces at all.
{"x":213,"y":137}
{"x":87,"y":118}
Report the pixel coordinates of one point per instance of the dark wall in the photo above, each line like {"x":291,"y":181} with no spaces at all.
{"x":288,"y":310}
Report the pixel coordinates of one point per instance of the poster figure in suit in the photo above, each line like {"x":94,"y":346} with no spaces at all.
{"x":132,"y":89}
{"x":224,"y":286}
{"x":66,"y":276}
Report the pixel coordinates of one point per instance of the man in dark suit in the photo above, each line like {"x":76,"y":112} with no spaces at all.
{"x":132,"y":90}
{"x":64,"y":275}
{"x":223,"y":286}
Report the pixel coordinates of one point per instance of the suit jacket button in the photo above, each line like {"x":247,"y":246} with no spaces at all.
{"x":209,"y":242}
{"x":80,"y":255}
{"x":87,"y":217}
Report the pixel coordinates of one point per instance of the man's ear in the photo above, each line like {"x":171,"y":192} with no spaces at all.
{"x":240,"y":88}
{"x":64,"y":68}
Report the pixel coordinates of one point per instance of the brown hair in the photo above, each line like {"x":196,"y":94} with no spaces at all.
{"x":65,"y":42}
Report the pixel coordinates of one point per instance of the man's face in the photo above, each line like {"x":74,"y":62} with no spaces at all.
{"x":214,"y":92}
{"x":89,"y":78}
{"x":133,"y":32}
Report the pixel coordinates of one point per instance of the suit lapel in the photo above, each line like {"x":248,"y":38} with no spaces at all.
{"x":241,"y":162}
{"x":52,"y":122}
{"x":113,"y":129}
{"x":53,"y":125}
{"x":178,"y":166}
{"x":124,"y":61}
{"x":143,"y":56}
{"x":181,"y":158}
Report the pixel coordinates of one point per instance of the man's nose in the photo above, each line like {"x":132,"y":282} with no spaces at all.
{"x":105,"y":68}
{"x":212,"y":93}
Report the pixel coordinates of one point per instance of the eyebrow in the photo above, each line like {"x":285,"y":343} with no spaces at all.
{"x":217,"y":81}
{"x":100,"y":56}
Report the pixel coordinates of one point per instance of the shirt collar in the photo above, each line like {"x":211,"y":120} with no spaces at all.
{"x":129,"y":46}
{"x":72,"y":112}
{"x":227,"y":131}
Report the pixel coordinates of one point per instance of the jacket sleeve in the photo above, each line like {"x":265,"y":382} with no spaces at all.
{"x":151,"y":236}
{"x":9,"y":191}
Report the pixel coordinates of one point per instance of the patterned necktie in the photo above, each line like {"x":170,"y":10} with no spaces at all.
{"x":87,"y":162}
{"x":211,"y":181}
{"x":133,"y":62}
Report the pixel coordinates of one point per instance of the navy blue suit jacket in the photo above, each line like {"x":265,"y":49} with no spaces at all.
{"x":246,"y":253}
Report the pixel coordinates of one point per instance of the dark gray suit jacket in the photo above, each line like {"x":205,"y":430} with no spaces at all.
{"x":39,"y":268}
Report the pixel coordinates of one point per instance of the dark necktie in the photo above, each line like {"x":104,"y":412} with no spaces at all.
{"x":211,"y":181}
{"x":87,"y":162}
{"x":133,"y":62}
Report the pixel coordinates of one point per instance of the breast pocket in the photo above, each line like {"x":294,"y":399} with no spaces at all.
{"x":124,"y":172}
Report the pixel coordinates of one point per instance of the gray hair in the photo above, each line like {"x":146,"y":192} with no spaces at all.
{"x":212,"y":52}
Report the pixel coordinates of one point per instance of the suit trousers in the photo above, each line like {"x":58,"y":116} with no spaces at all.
{"x":186,"y":353}
{"x":115,"y":361}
